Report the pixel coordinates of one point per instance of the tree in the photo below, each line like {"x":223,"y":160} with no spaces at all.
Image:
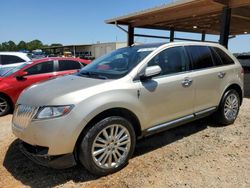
{"x":22,"y":45}
{"x":5,"y":46}
{"x":12,"y":46}
{"x":34,"y":44}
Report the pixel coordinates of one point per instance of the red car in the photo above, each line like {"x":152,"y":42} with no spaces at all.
{"x":13,"y":80}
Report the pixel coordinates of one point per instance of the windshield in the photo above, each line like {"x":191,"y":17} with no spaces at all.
{"x":118,"y":63}
{"x":6,"y":71}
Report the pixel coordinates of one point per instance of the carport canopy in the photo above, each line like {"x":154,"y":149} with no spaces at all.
{"x":219,"y":17}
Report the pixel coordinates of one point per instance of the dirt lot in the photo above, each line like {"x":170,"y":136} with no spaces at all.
{"x":198,"y":154}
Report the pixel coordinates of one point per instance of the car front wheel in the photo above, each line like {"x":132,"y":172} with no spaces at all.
{"x":107,"y":146}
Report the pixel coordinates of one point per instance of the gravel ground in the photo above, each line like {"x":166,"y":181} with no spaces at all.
{"x":199,"y":154}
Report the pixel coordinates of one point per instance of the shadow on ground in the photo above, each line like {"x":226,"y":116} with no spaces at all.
{"x":33,"y":175}
{"x":167,"y":137}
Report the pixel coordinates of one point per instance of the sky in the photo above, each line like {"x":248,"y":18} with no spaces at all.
{"x":82,"y":22}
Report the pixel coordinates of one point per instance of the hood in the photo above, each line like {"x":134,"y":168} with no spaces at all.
{"x":58,"y":91}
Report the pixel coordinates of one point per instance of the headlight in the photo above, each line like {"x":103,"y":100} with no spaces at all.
{"x":53,"y":111}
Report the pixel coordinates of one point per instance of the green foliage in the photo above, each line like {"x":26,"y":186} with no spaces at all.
{"x":22,"y":45}
{"x":34,"y":44}
{"x":5,"y":46}
{"x":8,"y":46}
{"x":11,"y":45}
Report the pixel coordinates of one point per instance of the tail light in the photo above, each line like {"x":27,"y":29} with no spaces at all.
{"x":242,"y":71}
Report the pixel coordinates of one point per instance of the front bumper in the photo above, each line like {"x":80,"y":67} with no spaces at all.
{"x":40,"y":156}
{"x":59,"y":135}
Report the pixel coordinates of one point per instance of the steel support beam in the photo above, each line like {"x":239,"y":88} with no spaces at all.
{"x":224,"y":2}
{"x":203,"y":36}
{"x":151,"y":36}
{"x":74,"y":51}
{"x":171,"y":35}
{"x":131,"y":31}
{"x":225,"y":26}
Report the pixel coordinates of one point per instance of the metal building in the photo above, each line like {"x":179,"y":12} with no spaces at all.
{"x":86,"y":50}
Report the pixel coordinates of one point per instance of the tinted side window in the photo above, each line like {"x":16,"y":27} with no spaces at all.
{"x":68,"y":65}
{"x":172,"y":60}
{"x":201,"y":56}
{"x":9,"y":59}
{"x":45,"y":67}
{"x":226,"y":60}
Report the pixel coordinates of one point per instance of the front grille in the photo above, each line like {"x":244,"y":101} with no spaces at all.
{"x":23,"y":115}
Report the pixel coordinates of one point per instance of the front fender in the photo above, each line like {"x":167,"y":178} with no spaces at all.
{"x":91,"y":107}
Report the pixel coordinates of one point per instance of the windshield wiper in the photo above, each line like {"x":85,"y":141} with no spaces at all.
{"x":93,"y":75}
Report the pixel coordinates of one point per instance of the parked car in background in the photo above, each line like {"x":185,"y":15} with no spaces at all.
{"x":14,"y":79}
{"x":128,"y":94}
{"x":8,"y":58}
{"x":244,"y":61}
{"x":38,"y":54}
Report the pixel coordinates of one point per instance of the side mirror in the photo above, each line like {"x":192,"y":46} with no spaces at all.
{"x":21,"y":75}
{"x":151,"y":71}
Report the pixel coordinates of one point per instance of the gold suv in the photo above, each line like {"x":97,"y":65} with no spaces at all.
{"x":95,"y":116}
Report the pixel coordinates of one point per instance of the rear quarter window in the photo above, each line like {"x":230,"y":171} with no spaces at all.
{"x":68,"y":65}
{"x":226,"y":59}
{"x":216,"y":58}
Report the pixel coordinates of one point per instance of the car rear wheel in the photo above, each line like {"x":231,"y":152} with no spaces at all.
{"x":107,"y":146}
{"x":229,"y":108}
{"x":4,"y":106}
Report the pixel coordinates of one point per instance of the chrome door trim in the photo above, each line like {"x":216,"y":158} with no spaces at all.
{"x":205,"y":111}
{"x":179,"y":121}
{"x":164,"y":125}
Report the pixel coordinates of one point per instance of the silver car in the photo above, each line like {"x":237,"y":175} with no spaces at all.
{"x":95,"y":116}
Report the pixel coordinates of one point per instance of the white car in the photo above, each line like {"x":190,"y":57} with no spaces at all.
{"x":9,"y":58}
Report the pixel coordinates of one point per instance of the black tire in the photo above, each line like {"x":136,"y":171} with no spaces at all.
{"x":219,"y":115}
{"x":85,"y":149}
{"x":5,"y":106}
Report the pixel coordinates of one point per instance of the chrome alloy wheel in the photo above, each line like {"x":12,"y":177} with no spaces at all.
{"x":3,"y":105}
{"x":231,"y":107}
{"x":111,"y":146}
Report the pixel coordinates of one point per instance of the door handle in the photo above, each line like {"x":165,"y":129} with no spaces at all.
{"x":221,"y":74}
{"x":186,"y":82}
